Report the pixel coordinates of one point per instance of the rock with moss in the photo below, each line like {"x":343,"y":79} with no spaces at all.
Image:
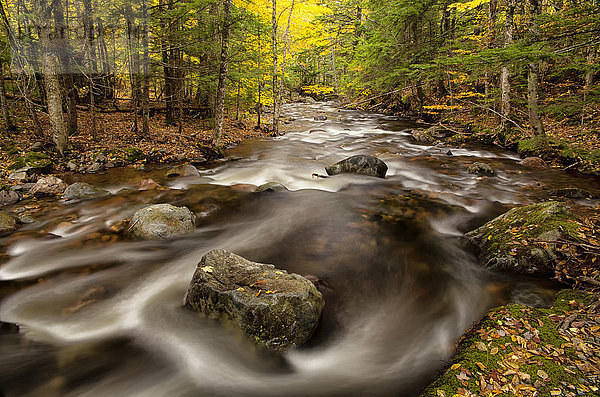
{"x":519,"y":350}
{"x":48,"y":186}
{"x":183,"y":170}
{"x":523,"y":239}
{"x":359,"y":164}
{"x":422,"y":136}
{"x":82,"y":190}
{"x":159,"y":221}
{"x":8,"y":223}
{"x":32,"y":163}
{"x":271,"y":187}
{"x":277,"y":309}
{"x":481,"y":169}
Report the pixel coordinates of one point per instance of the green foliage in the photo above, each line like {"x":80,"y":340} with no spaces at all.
{"x":35,"y":160}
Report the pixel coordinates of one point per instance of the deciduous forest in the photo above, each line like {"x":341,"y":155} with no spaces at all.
{"x":300,"y":197}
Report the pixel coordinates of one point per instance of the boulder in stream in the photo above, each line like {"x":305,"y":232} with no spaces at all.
{"x":573,"y":193}
{"x":8,"y":223}
{"x":481,"y":169}
{"x":524,"y":239}
{"x":48,"y":186}
{"x":533,"y":162}
{"x":271,"y":187}
{"x":275,"y":308}
{"x":360,"y":164}
{"x":81,"y":190}
{"x":160,"y":221}
{"x":183,"y":170}
{"x":422,"y":136}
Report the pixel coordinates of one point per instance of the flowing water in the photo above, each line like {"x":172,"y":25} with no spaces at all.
{"x":99,"y":314}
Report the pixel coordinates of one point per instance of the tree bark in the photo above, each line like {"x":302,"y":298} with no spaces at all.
{"x":145,"y":72}
{"x":50,"y":68}
{"x":223,"y":70}
{"x":505,"y":75}
{"x":533,"y":74}
{"x":286,"y":45}
{"x":276,"y":95}
{"x":5,"y":113}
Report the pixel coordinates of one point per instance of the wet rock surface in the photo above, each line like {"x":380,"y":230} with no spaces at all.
{"x":360,"y":164}
{"x":8,"y":223}
{"x":278,"y":309}
{"x":160,"y":221}
{"x":183,"y":170}
{"x":48,"y":186}
{"x":81,"y":190}
{"x":481,"y":169}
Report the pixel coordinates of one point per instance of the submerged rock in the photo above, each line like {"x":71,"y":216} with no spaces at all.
{"x":481,"y":169}
{"x":572,"y":193}
{"x":360,"y":164}
{"x":8,"y":223}
{"x":183,"y":170}
{"x":80,"y":190}
{"x":275,"y":308}
{"x":48,"y":186}
{"x":523,"y":240}
{"x":533,"y":162}
{"x":159,"y":221}
{"x":271,"y":187}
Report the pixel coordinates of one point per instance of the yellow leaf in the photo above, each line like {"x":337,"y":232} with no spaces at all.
{"x":494,"y":350}
{"x":455,"y":366}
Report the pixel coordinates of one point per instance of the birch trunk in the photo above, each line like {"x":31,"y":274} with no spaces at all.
{"x":5,"y":113}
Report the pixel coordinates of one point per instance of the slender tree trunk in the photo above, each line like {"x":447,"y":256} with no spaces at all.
{"x":64,"y":53}
{"x":5,"y":113}
{"x":490,"y":44}
{"x":505,"y":75}
{"x":223,"y":69}
{"x":276,"y":97}
{"x":286,"y":45}
{"x":133,"y":77}
{"x":533,"y":74}
{"x":259,"y":110}
{"x":145,"y":72}
{"x":50,"y":68}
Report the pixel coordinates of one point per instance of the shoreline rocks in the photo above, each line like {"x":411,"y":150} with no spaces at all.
{"x":277,"y":309}
{"x":48,"y":186}
{"x":81,"y":190}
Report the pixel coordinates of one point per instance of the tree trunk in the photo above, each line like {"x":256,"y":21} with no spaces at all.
{"x":223,"y":69}
{"x":259,"y":110}
{"x":145,"y":72}
{"x":5,"y":113}
{"x":276,"y":98}
{"x":50,"y":68}
{"x":505,"y":75}
{"x":133,"y":66}
{"x":533,"y":74}
{"x":286,"y":45}
{"x":490,"y":44}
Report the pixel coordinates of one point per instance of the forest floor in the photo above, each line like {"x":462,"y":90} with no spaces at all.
{"x":118,"y":141}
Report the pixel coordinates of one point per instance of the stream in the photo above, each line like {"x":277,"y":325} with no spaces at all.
{"x":99,"y":314}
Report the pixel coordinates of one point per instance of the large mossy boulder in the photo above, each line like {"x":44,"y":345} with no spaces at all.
{"x":48,"y":186}
{"x":275,"y":308}
{"x":360,"y":164}
{"x":82,"y":190}
{"x":32,"y":163}
{"x":523,"y":240}
{"x":8,"y":223}
{"x":160,"y":221}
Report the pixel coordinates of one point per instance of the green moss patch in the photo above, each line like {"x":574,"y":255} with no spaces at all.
{"x":522,"y":351}
{"x":39,"y":162}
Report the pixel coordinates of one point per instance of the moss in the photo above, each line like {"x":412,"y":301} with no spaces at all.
{"x":511,"y":238}
{"x":516,"y":345}
{"x":35,"y":160}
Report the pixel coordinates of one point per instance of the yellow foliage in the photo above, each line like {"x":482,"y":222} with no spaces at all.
{"x":469,"y":5}
{"x":318,"y":89}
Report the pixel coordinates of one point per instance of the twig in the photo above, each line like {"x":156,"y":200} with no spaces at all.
{"x":589,"y":280}
{"x":370,"y":99}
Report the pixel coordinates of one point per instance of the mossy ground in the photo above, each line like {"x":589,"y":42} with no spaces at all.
{"x":522,"y":351}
